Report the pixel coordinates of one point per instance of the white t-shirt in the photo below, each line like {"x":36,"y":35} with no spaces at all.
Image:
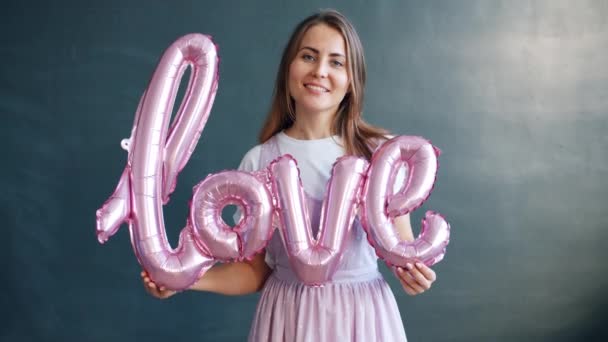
{"x":315,"y":160}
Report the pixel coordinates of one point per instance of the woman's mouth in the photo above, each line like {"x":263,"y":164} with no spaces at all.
{"x":316,"y":88}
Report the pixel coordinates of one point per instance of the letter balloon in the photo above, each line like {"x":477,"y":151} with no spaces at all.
{"x":157,"y":153}
{"x":380,"y":205}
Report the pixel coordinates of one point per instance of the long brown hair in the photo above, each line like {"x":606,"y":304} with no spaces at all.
{"x":359,"y":138}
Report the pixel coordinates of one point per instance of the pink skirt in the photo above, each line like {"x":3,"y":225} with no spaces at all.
{"x":353,"y":311}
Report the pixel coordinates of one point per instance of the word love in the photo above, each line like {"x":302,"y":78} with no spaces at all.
{"x":158,"y":151}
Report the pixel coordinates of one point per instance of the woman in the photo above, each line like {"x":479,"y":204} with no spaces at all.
{"x":316,"y":117}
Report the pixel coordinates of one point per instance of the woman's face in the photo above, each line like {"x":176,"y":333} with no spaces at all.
{"x":318,"y":75}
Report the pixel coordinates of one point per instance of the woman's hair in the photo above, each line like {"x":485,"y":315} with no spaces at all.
{"x":359,"y":138}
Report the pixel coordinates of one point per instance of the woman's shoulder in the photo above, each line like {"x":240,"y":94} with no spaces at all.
{"x":251,"y":159}
{"x":375,"y":143}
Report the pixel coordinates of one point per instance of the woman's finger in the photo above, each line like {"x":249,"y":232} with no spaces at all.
{"x":407,"y":279}
{"x":428,"y":273}
{"x":411,"y":282}
{"x":408,"y":289}
{"x":418,"y":277}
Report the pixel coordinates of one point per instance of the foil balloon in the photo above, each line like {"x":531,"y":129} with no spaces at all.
{"x":380,"y":205}
{"x":315,"y":259}
{"x":159,"y":150}
{"x":251,"y":234}
{"x":157,"y":153}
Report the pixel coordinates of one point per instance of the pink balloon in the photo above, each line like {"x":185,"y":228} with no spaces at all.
{"x":380,"y":205}
{"x":315,"y":259}
{"x":251,"y":233}
{"x":158,"y":152}
{"x":156,"y":155}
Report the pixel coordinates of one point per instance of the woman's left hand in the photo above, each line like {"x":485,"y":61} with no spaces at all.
{"x":415,"y":278}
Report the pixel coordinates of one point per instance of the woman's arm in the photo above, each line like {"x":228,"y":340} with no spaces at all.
{"x":236,"y":278}
{"x":417,"y":278}
{"x":404,"y":227}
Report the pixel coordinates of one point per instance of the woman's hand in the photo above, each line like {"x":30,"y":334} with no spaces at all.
{"x":415,"y":279}
{"x":159,"y":292}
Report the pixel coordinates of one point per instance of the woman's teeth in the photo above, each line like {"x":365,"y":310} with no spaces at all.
{"x":317,"y":88}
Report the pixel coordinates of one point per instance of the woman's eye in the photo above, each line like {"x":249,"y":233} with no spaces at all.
{"x":337,"y":63}
{"x":307,"y":57}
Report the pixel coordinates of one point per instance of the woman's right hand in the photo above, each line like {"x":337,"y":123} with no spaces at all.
{"x":159,"y":292}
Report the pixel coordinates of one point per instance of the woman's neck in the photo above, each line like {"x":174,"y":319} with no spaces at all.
{"x":311,"y":126}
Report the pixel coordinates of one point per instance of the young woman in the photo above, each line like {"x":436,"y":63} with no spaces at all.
{"x":316,"y":117}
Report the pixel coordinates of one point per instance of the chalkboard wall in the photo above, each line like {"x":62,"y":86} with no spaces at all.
{"x":515,"y":93}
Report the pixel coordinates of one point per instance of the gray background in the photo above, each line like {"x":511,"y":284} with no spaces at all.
{"x":515,"y":93}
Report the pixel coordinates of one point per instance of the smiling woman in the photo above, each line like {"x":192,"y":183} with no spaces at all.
{"x":316,"y":117}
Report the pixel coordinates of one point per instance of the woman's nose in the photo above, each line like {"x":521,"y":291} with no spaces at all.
{"x":320,"y":70}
